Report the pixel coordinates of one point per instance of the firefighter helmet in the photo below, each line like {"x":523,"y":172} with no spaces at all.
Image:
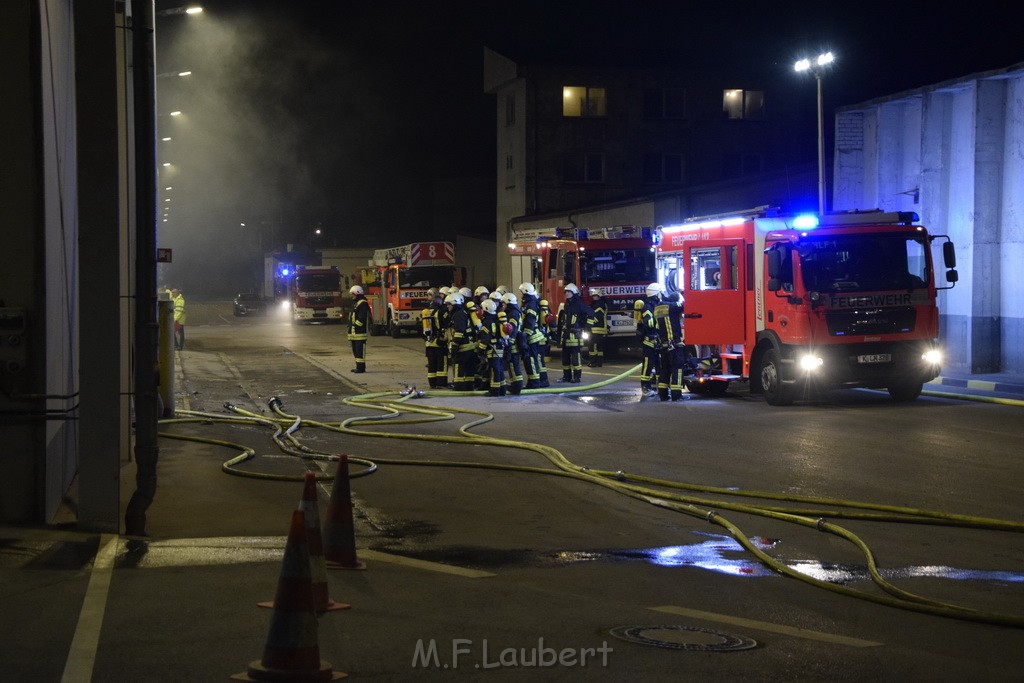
{"x":489,"y":306}
{"x":571,"y":289}
{"x":466,"y":292}
{"x":527,"y":288}
{"x":444,"y":291}
{"x":510,"y":299}
{"x":432,"y":292}
{"x":654,"y":289}
{"x":596,"y":291}
{"x":481,"y":291}
{"x":454,"y":299}
{"x":355,"y":290}
{"x":496,"y":295}
{"x":502,"y":289}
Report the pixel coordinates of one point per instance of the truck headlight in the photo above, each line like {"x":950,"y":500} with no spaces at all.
{"x":932,"y":356}
{"x":811,"y":362}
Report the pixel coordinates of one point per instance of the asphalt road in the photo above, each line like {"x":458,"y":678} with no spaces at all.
{"x":496,"y":569}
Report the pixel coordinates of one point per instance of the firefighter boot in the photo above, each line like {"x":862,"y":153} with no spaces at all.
{"x":677,"y":394}
{"x":577,"y":376}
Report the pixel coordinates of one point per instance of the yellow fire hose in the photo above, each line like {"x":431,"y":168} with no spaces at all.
{"x":659,"y":492}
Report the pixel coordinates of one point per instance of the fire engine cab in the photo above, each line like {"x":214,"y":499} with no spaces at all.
{"x":617,"y":260}
{"x":794,"y":303}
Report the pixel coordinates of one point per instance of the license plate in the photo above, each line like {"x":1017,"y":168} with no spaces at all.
{"x":875,"y":358}
{"x":617,"y":323}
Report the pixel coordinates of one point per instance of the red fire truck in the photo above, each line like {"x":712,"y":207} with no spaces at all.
{"x":315,"y":294}
{"x":397,"y":280}
{"x":795,"y":303}
{"x":618,"y":260}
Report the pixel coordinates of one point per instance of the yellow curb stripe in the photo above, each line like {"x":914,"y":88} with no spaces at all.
{"x":423,"y":564}
{"x":766,"y":626}
{"x":82,"y":653}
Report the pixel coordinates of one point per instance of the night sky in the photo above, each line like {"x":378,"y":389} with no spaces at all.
{"x":361,"y":119}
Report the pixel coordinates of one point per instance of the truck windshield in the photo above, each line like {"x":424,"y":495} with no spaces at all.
{"x":425,"y":276}
{"x":618,"y":265}
{"x":863,"y":262}
{"x":318,"y":282}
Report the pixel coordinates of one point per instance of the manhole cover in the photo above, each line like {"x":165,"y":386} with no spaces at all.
{"x":674,"y":637}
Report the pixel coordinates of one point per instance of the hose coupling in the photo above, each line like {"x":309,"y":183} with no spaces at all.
{"x":229,"y":406}
{"x":820,"y":524}
{"x":711,"y":515}
{"x":619,"y":476}
{"x":274,"y":402}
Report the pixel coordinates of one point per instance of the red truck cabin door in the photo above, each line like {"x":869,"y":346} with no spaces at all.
{"x":714,"y":293}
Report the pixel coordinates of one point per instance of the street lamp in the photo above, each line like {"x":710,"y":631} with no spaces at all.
{"x":817,"y":67}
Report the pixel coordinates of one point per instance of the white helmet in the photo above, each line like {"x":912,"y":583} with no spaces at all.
{"x":596,"y":291}
{"x":496,"y":295}
{"x":502,"y":289}
{"x":489,"y":306}
{"x":572,"y":290}
{"x":466,"y":292}
{"x":455,"y":299}
{"x":527,"y":288}
{"x":654,"y":288}
{"x":355,"y":289}
{"x":444,"y":291}
{"x":480,"y":291}
{"x":510,"y":299}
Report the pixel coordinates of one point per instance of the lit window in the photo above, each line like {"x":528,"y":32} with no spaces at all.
{"x":743,"y":104}
{"x":583,"y":101}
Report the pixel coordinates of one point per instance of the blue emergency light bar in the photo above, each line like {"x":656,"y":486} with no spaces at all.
{"x":806,"y":221}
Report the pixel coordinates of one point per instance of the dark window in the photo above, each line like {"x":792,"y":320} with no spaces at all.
{"x":663,"y":168}
{"x":664,"y":103}
{"x":583,"y":168}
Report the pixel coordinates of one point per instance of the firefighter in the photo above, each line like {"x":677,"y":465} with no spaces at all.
{"x":517,"y":342}
{"x":530,"y":325}
{"x":576,"y":316}
{"x":430,"y":319}
{"x":672,"y":354}
{"x":599,"y":332}
{"x":179,"y":318}
{"x":647,"y":332}
{"x":462,"y":347}
{"x":480,"y":294}
{"x":547,"y":328}
{"x":490,"y":348}
{"x":358,"y":320}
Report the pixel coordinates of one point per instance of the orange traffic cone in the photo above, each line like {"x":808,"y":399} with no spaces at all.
{"x":339,"y":529}
{"x":317,"y":566}
{"x":292,"y":651}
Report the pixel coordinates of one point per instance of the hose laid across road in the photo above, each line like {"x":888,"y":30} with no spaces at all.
{"x":395,"y":409}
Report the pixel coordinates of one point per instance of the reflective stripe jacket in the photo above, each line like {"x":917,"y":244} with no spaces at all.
{"x":358,"y":318}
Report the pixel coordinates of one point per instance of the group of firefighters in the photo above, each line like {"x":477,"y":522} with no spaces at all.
{"x":497,"y":342}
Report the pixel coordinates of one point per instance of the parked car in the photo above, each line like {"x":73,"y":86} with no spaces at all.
{"x":250,"y":304}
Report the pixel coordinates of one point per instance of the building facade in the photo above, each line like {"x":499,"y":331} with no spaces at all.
{"x":954,"y":154}
{"x":633,"y":141}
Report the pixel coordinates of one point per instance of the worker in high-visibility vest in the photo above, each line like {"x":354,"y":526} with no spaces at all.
{"x":358,"y":325}
{"x":178,"y":299}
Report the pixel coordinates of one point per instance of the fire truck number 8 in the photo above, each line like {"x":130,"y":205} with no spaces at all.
{"x":433,"y":251}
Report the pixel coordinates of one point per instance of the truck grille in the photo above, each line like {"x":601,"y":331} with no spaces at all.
{"x":871,"y":321}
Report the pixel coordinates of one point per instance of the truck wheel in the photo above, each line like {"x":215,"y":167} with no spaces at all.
{"x":904,"y":392}
{"x":394,"y":329}
{"x":775,"y":392}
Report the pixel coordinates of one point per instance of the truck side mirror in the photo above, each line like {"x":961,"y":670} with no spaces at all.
{"x":774,"y":265}
{"x":949,"y":255}
{"x":952,"y":276}
{"x":774,"y":284}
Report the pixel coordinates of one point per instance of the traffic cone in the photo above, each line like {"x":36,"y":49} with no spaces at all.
{"x":292,"y":650}
{"x":339,"y":529}
{"x":317,"y":566}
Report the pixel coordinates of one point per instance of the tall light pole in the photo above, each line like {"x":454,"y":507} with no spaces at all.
{"x":817,"y":67}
